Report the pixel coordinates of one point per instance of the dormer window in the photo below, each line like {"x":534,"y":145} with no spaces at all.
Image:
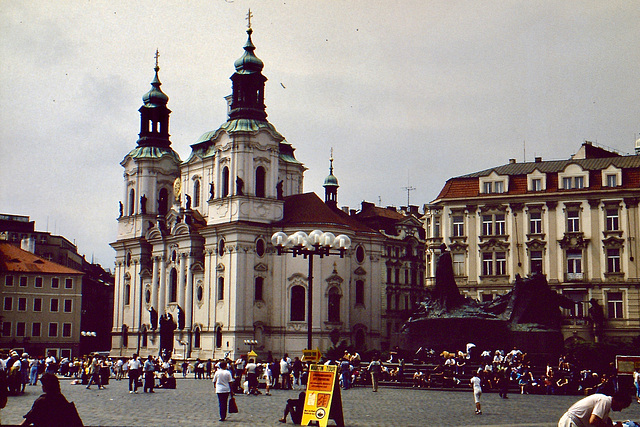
{"x":537,"y":181}
{"x":611,"y":177}
{"x":536,"y":184}
{"x":573,"y":177}
{"x":493,"y":184}
{"x":612,"y":180}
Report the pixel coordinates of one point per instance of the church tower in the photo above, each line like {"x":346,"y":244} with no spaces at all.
{"x":331,"y":187}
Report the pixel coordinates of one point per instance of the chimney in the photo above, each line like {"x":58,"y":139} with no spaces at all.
{"x":512,"y":161}
{"x":538,"y":159}
{"x":28,"y":244}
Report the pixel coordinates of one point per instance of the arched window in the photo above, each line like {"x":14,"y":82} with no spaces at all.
{"x":219,"y":337}
{"x":196,"y":338}
{"x":360,"y":254}
{"x":297,"y":303}
{"x":173,"y":287}
{"x":163,"y":200}
{"x":196,"y":193}
{"x":221,"y":247}
{"x":132,"y":201}
{"x":225,"y":182}
{"x":333,"y":308}
{"x":257,"y":293}
{"x":260,"y":247}
{"x":127,"y":294}
{"x":220,"y":288}
{"x":359,"y":292}
{"x":260,"y":181}
{"x":144,"y":335}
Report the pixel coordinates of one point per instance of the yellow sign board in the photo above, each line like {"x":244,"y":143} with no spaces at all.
{"x":322,"y":400}
{"x":252,"y":354}
{"x":627,"y":364}
{"x":312,"y":356}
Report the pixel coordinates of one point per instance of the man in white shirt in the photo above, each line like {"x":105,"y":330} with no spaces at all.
{"x":134,"y":372}
{"x":594,"y":410}
{"x":476,"y":384}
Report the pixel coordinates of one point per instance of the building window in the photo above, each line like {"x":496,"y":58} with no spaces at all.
{"x":68,"y":283}
{"x":258,"y":289}
{"x":220,"y":292}
{"x":499,"y":187}
{"x":22,"y":304}
{"x":23,"y":281}
{"x":196,"y":338}
{"x":458,"y":225}
{"x":8,"y":303}
{"x":359,"y":292}
{"x":458,"y":264}
{"x":535,"y":222}
{"x":579,"y":182}
{"x":260,"y":247}
{"x":127,"y":294}
{"x":493,"y":225}
{"x":199,"y":293}
{"x":536,"y":184}
{"x":612,"y":180}
{"x":574,"y":265}
{"x":500,"y":225}
{"x":487,"y":264}
{"x":487,"y":225}
{"x":297,"y":303}
{"x":260,"y":181}
{"x":535,"y":258}
{"x":54,"y":305}
{"x":53,"y":330}
{"x":21,"y":329}
{"x":573,"y":221}
{"x":37,"y":304}
{"x":579,"y":299}
{"x":221,"y":247}
{"x":613,"y":260}
{"x":66,"y":329}
{"x":8,"y":280}
{"x":35,"y":329}
{"x":132,"y":201}
{"x":173,"y":285}
{"x":360,"y":254}
{"x":566,"y":183}
{"x":612,"y":219}
{"x":614,"y":305}
{"x":397,"y":275}
{"x":68,"y":304}
{"x":6,"y":329}
{"x":196,"y":193}
{"x":436,"y":227}
{"x":55,"y":282}
{"x":333,"y":306}
{"x":225,"y":182}
{"x":219,"y":337}
{"x":388,"y":275}
{"x":501,"y":263}
{"x":487,"y":187}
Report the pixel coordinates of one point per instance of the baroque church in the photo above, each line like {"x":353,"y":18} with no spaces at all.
{"x":194,"y":241}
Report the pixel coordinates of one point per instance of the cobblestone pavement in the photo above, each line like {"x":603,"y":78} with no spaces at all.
{"x":194,"y":403}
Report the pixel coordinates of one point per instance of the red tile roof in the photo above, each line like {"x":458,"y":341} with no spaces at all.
{"x":14,"y":259}
{"x":309,"y":211}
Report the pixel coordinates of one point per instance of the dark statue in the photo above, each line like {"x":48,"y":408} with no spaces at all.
{"x":180,"y":318}
{"x":239,"y":186}
{"x":125,"y":335}
{"x":143,"y":204}
{"x":279,"y":190}
{"x":167,"y":326}
{"x":188,"y":197}
{"x":153,"y":318}
{"x":527,"y":315}
{"x":596,"y":313}
{"x":211,"y":191}
{"x":121,"y":207}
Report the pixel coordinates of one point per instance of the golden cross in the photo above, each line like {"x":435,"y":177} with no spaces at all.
{"x":249,"y":16}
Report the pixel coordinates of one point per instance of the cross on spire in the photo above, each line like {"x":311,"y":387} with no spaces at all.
{"x":157,"y":55}
{"x":249,"y":16}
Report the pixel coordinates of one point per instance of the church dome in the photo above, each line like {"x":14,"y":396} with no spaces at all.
{"x":155,"y":97}
{"x":248,"y":63}
{"x":330,"y":181}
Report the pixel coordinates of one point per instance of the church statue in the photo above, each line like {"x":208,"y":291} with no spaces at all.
{"x":167,"y":326}
{"x":188,"y":197}
{"x":153,"y":318}
{"x":180,"y":318}
{"x":446,"y":293}
{"x":279,"y":189}
{"x":143,"y":204}
{"x":596,"y":313}
{"x":121,"y":209}
{"x":239,"y":186}
{"x":211,"y":191}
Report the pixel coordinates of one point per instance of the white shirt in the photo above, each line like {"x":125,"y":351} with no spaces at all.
{"x":222,"y":380}
{"x":476,"y":382}
{"x":596,"y":404}
{"x":134,"y":364}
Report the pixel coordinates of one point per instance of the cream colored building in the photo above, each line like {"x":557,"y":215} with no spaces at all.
{"x":575,"y":220}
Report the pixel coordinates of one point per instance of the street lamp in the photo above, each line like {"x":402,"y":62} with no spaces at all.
{"x":89,"y":343}
{"x":315,"y":243}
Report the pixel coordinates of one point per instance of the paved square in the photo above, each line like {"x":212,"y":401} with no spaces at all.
{"x":194,"y":403}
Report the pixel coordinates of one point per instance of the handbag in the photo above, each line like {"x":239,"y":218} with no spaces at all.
{"x":233,"y":406}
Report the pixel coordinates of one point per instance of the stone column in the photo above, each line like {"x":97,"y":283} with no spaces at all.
{"x":162,"y":306}
{"x":181,"y":273}
{"x":154,"y":284}
{"x":188,"y":306}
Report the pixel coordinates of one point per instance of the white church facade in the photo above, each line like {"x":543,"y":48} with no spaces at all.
{"x":194,"y":241}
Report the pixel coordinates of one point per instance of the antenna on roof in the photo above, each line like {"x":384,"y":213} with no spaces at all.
{"x":524,"y":151}
{"x":408,"y":189}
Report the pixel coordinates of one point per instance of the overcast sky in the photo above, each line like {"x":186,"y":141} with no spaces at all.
{"x":408,"y":93}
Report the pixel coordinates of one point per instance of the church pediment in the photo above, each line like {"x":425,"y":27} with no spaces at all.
{"x":220,"y":267}
{"x":360,"y":271}
{"x":261,"y":267}
{"x":335,"y":279}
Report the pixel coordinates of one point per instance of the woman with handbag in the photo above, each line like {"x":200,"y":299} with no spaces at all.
{"x":222,"y":380}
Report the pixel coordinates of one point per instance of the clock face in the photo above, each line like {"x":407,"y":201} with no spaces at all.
{"x":177,"y":185}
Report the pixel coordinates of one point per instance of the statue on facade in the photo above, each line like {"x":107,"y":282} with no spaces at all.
{"x":143,"y":204}
{"x":596,"y":314}
{"x":239,"y":186}
{"x":180,"y":318}
{"x":279,"y":192}
{"x":121,"y":207}
{"x":188,"y":203}
{"x":153,"y":318}
{"x":211,"y":191}
{"x":167,"y":326}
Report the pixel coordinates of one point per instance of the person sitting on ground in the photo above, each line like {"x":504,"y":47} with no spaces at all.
{"x":294,"y":408}
{"x":52,"y":408}
{"x":594,"y":410}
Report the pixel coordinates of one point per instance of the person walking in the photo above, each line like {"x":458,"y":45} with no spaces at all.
{"x":375,"y":369}
{"x":594,"y":410}
{"x":94,"y":374}
{"x":636,"y":382}
{"x":476,"y":384}
{"x":134,"y":365}
{"x":285,"y":372}
{"x":222,"y":380}
{"x":149,"y":369}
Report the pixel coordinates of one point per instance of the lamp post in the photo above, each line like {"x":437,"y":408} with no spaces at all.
{"x":315,"y":243}
{"x":251,"y":343}
{"x":89,"y":334}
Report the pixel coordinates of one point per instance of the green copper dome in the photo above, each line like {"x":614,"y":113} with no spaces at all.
{"x":330,"y":181}
{"x":248,"y":63}
{"x":155,"y":97}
